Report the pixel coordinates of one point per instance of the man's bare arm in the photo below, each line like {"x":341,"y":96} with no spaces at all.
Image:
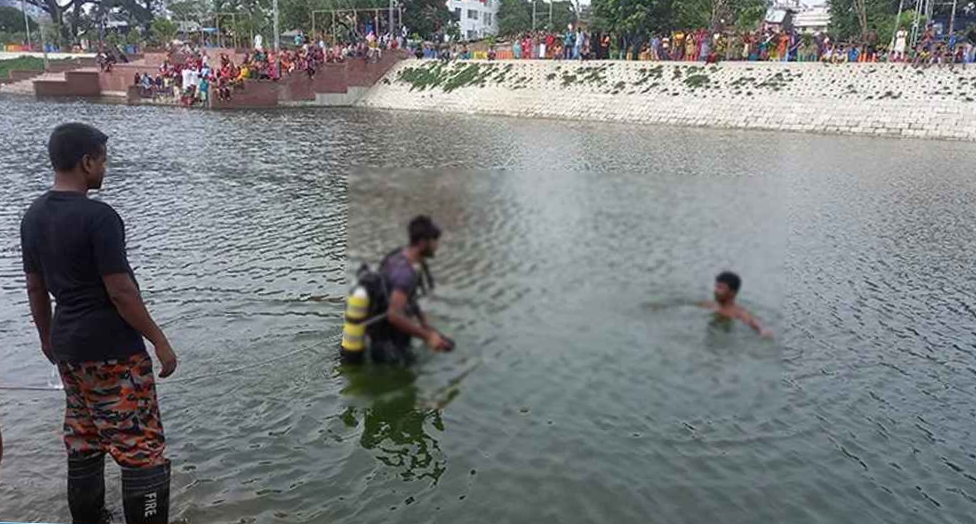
{"x":399,"y":319}
{"x":424,"y":321}
{"x":40,"y":306}
{"x":751,"y":321}
{"x":124,"y":294}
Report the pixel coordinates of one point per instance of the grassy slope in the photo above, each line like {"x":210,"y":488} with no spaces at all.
{"x":24,"y":63}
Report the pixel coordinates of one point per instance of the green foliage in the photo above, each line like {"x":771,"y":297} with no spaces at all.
{"x":12,"y":20}
{"x":133,"y":37}
{"x":453,"y":76}
{"x":743,"y":14}
{"x":163,"y":30}
{"x":427,"y":17}
{"x":453,"y":30}
{"x":23,"y":63}
{"x":188,"y":9}
{"x":633,"y":17}
{"x":845,"y":22}
{"x":886,"y":26}
{"x":515,"y":16}
{"x":638,"y":18}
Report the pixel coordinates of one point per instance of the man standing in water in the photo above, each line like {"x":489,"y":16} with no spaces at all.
{"x":74,"y":248}
{"x":727,"y":286}
{"x":405,"y":272}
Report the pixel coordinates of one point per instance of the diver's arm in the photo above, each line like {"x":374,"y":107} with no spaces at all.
{"x":399,"y":319}
{"x":396,"y":314}
{"x":424,"y":323}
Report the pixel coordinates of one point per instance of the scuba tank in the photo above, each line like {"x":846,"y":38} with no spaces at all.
{"x":366,"y":308}
{"x":353,"y":348}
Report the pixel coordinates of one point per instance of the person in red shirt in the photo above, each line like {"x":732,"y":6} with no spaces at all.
{"x":550,"y":44}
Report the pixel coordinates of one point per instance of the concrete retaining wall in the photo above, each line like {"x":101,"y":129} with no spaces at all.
{"x":17,"y":75}
{"x":75,"y":84}
{"x":254,"y":94}
{"x":873,"y":99}
{"x":122,"y":76}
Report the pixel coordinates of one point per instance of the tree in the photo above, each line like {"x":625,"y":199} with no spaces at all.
{"x":713,"y":14}
{"x":164,"y":30}
{"x":853,"y":19}
{"x":185,"y":10}
{"x":563,"y":14}
{"x":12,"y":20}
{"x":633,"y":18}
{"x":427,"y":17}
{"x":514,"y":17}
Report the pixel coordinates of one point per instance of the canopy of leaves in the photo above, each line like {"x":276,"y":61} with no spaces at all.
{"x":12,"y":20}
{"x":633,"y":17}
{"x":880,"y":15}
{"x":515,"y":16}
{"x":641,"y":17}
{"x":426,"y":17}
{"x":163,"y":30}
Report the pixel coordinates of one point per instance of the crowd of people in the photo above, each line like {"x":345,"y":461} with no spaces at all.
{"x":188,"y":76}
{"x":769,"y":44}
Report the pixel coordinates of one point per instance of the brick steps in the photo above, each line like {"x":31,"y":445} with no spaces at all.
{"x":26,"y":87}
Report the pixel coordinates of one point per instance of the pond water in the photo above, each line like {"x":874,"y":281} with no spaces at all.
{"x":586,"y":386}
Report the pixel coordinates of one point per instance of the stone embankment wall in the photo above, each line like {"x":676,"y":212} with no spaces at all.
{"x":871,"y":99}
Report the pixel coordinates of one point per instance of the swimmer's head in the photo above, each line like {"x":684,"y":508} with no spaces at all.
{"x":424,"y":234}
{"x":80,"y":149}
{"x":727,"y":285}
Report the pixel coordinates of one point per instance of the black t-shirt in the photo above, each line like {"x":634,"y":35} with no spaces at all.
{"x":72,"y":241}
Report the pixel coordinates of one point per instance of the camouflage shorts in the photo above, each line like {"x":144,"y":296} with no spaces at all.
{"x":112,"y":408}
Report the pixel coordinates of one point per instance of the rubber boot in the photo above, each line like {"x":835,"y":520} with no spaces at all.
{"x":145,"y":494}
{"x":86,"y":490}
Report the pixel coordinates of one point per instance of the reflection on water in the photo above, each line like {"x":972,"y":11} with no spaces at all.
{"x":396,"y":427}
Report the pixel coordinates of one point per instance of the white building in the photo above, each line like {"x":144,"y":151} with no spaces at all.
{"x":812,"y":19}
{"x":477,"y":18}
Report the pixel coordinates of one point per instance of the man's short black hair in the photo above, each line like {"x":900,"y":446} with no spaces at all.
{"x":730,"y":279}
{"x":423,"y":228}
{"x":69,"y":143}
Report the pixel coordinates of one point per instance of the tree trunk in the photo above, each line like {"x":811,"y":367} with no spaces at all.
{"x":75,"y":20}
{"x":148,"y":23}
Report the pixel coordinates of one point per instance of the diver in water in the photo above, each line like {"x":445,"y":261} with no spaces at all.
{"x":406,"y":275}
{"x":727,"y":286}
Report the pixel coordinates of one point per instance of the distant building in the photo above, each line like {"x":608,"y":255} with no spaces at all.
{"x":38,"y":14}
{"x":779,"y":16}
{"x":812,"y":19}
{"x":477,"y":18}
{"x":791,"y":14}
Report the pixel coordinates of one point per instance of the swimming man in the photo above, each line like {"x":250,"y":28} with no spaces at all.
{"x":727,"y":286}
